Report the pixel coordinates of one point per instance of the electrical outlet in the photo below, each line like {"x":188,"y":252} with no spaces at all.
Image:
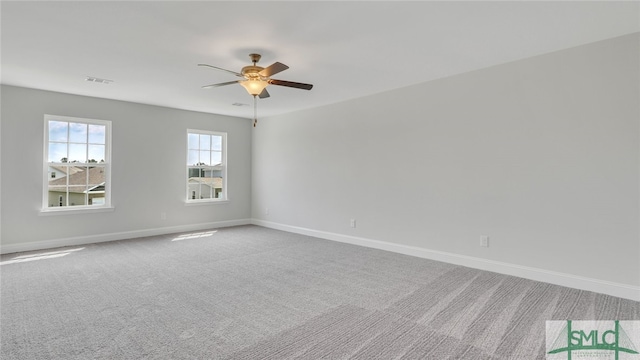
{"x":353,"y":223}
{"x":163,"y":216}
{"x":266,"y":211}
{"x":484,"y":241}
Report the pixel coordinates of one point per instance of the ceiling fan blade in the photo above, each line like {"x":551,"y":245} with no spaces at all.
{"x":217,"y":68}
{"x":264,"y":94}
{"x":272,"y":69}
{"x":291,"y":84}
{"x":220,"y":84}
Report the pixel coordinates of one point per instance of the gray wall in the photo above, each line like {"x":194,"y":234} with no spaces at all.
{"x":541,"y":155}
{"x":148,"y":171}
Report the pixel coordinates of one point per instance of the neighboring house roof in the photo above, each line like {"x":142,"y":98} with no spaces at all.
{"x":63,"y":169}
{"x":214,"y":182}
{"x":78,"y":181}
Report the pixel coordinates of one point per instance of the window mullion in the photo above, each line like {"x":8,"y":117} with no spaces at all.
{"x":86,"y":186}
{"x":86,"y":149}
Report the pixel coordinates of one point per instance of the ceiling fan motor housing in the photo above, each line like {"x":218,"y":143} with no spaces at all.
{"x":251,"y":72}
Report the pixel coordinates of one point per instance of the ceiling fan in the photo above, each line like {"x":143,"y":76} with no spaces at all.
{"x":257,"y":78}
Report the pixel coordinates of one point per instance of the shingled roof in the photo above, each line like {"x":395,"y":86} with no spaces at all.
{"x":67,"y":169}
{"x":214,"y":182}
{"x":78,"y":181}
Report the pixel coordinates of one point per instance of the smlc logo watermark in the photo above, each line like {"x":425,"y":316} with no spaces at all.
{"x":593,"y":340}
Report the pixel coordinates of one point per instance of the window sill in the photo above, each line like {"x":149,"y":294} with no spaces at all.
{"x":205,"y":202}
{"x":52,"y":212}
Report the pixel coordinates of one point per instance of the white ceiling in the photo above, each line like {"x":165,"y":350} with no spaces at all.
{"x":346,"y":49}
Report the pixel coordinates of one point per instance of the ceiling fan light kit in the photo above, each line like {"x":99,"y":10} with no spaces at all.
{"x":254,"y":87}
{"x":256,"y":80}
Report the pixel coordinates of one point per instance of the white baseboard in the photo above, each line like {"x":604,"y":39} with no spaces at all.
{"x":90,"y":239}
{"x":557,"y":278}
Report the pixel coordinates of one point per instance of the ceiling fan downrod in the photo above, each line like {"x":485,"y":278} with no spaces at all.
{"x":255,"y":58}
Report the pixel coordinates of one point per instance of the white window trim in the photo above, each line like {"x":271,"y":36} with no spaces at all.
{"x":202,"y":202}
{"x":73,"y":210}
{"x":77,"y":209}
{"x":225,"y":197}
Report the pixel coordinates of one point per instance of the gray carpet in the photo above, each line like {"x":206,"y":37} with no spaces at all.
{"x":253,"y":293}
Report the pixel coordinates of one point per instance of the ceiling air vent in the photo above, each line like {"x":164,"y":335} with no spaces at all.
{"x":98,"y":80}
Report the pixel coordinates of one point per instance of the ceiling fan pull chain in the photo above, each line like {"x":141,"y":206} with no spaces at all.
{"x":255,"y":110}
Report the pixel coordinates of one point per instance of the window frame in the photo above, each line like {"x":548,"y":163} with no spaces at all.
{"x":223,"y":167}
{"x":68,"y":209}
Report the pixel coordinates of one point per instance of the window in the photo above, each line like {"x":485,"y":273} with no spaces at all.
{"x":77,"y":163}
{"x":206,"y":166}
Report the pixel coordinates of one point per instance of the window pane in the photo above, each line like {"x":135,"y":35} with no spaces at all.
{"x":77,"y":152}
{"x":97,"y":134}
{"x":196,"y":172}
{"x":58,"y":130}
{"x":194,"y":189}
{"x":193,"y":157}
{"x":97,"y":200}
{"x":96,"y":176}
{"x":204,"y":157}
{"x":216,"y":158}
{"x":57,"y":152}
{"x":216,"y":187}
{"x":204,"y":183}
{"x":218,"y":194}
{"x":96,"y":185}
{"x":216,"y":142}
{"x":193,"y":141}
{"x":96,"y":153}
{"x":205,"y":142}
{"x":77,"y":198}
{"x":77,"y":187}
{"x":77,"y":132}
{"x":206,"y":192}
{"x":57,"y":196}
